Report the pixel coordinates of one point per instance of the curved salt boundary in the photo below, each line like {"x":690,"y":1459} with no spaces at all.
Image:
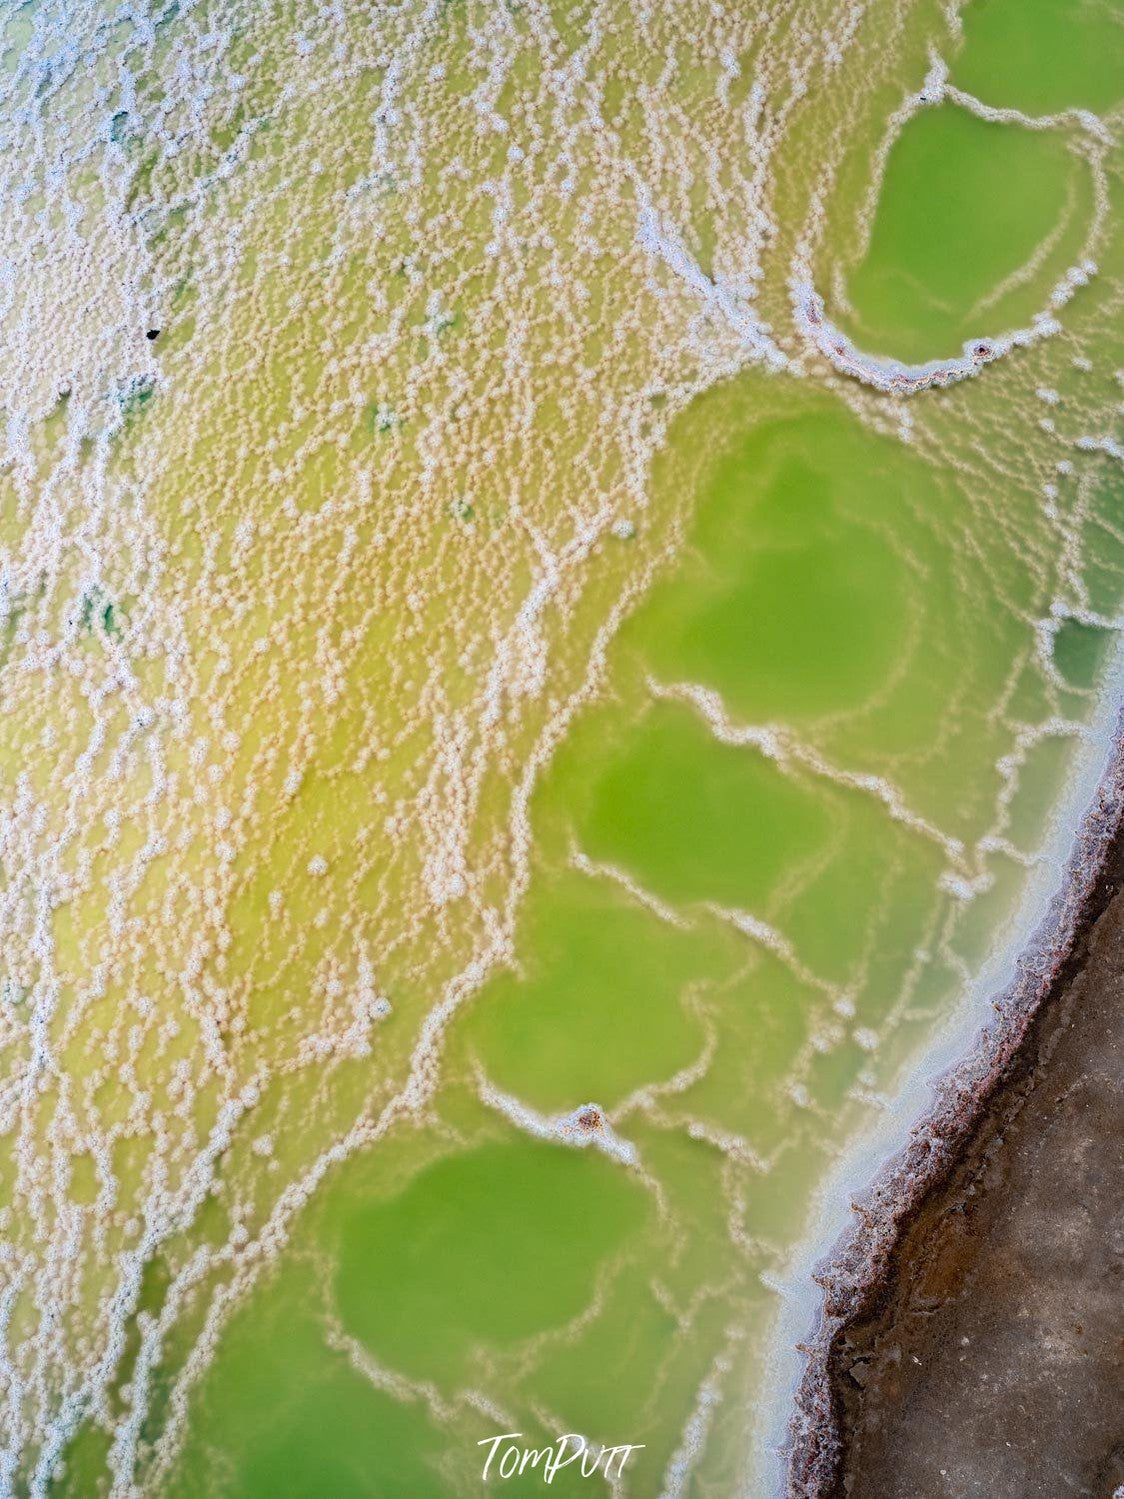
{"x":895,"y":376}
{"x":873,"y":1188}
{"x":892,"y":376}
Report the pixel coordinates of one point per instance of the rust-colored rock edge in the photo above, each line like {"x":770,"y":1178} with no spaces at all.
{"x":856,"y":1274}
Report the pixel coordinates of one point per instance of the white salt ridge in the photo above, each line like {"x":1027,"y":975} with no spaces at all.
{"x":779,"y":745}
{"x":775,"y":942}
{"x":692,"y":1442}
{"x":598,"y":869}
{"x":445,"y":1409}
{"x":892,"y":376}
{"x":659,"y":240}
{"x":581,"y":1127}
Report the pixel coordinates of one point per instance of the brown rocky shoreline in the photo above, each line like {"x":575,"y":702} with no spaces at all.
{"x":970,"y":1335}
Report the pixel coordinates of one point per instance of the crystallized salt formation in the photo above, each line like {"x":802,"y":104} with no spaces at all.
{"x":363,"y":370}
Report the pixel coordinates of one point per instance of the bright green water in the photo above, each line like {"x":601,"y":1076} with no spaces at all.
{"x":462,"y":671}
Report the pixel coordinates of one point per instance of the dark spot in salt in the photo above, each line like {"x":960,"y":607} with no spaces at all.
{"x":152,"y":333}
{"x":589,"y":1119}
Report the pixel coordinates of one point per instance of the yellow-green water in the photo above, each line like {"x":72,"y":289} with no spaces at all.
{"x":517,"y":735}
